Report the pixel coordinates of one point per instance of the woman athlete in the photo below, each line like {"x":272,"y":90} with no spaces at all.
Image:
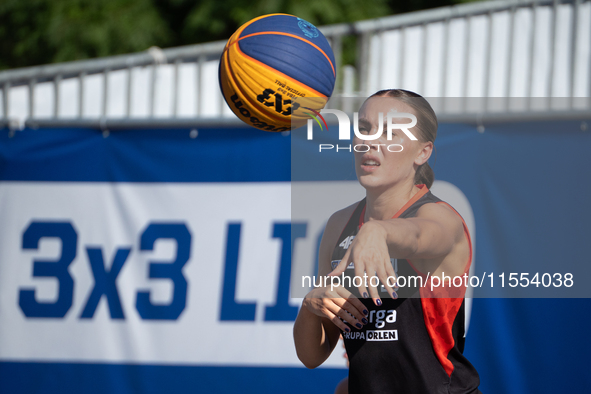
{"x":400,"y":337}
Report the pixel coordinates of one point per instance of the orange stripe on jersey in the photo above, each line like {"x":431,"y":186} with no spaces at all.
{"x":422,"y":191}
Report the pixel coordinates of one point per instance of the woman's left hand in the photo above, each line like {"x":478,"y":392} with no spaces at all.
{"x":371,"y":259}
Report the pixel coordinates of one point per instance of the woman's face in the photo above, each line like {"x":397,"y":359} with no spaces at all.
{"x":379,"y":167}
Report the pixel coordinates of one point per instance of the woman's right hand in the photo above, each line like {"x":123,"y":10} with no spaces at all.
{"x":337,"y":305}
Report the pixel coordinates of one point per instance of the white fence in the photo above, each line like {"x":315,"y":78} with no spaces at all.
{"x":525,"y":49}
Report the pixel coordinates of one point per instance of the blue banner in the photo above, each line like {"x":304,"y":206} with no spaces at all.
{"x":150,"y":261}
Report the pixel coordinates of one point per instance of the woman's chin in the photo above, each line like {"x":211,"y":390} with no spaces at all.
{"x":369,"y":182}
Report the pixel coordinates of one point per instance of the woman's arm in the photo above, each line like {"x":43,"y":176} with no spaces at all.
{"x":432,"y":234}
{"x":433,"y":238}
{"x":318,"y":324}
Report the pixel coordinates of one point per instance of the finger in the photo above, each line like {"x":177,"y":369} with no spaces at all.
{"x":355,"y":310}
{"x":373,"y":290}
{"x":339,"y":297}
{"x":383,"y":276}
{"x":352,"y":305}
{"x":392,"y":279}
{"x":337,"y":309}
{"x":354,"y":302}
{"x":360,"y":273}
{"x":342,"y":265}
{"x":337,"y":321}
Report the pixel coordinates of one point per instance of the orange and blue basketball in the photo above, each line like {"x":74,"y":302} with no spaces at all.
{"x":269,"y":63}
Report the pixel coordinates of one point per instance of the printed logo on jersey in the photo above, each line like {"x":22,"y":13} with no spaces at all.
{"x":335,"y":263}
{"x":377,"y":319}
{"x":347,"y":242}
{"x":382,"y":335}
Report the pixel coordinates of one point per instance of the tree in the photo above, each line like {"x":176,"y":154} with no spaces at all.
{"x":46,"y":31}
{"x":36,"y":32}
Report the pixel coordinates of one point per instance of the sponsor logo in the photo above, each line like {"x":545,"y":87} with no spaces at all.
{"x":381,"y":335}
{"x":307,"y":28}
{"x":379,"y":319}
{"x":347,"y":242}
{"x":335,"y":263}
{"x":372,"y":335}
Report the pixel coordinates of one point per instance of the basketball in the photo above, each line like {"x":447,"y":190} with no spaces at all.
{"x":272,"y":64}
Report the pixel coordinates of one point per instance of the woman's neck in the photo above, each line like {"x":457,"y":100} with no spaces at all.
{"x":383,"y":205}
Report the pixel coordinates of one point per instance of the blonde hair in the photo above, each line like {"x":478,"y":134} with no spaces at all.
{"x":427,"y":126}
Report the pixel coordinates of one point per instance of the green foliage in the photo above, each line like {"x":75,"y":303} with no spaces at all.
{"x":90,"y":28}
{"x":210,"y":20}
{"x":44,"y":31}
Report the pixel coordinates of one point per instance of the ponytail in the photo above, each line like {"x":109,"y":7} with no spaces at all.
{"x":424,"y":175}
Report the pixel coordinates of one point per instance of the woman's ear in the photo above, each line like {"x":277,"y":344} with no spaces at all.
{"x":424,"y":154}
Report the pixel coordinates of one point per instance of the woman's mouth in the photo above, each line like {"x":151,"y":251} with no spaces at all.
{"x":370,"y":163}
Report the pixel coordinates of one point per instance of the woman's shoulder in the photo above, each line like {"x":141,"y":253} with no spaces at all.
{"x":438,"y":208}
{"x":339,"y":219}
{"x":445,"y":216}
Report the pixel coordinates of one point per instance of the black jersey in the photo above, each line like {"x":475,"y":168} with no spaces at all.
{"x":412,"y":344}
